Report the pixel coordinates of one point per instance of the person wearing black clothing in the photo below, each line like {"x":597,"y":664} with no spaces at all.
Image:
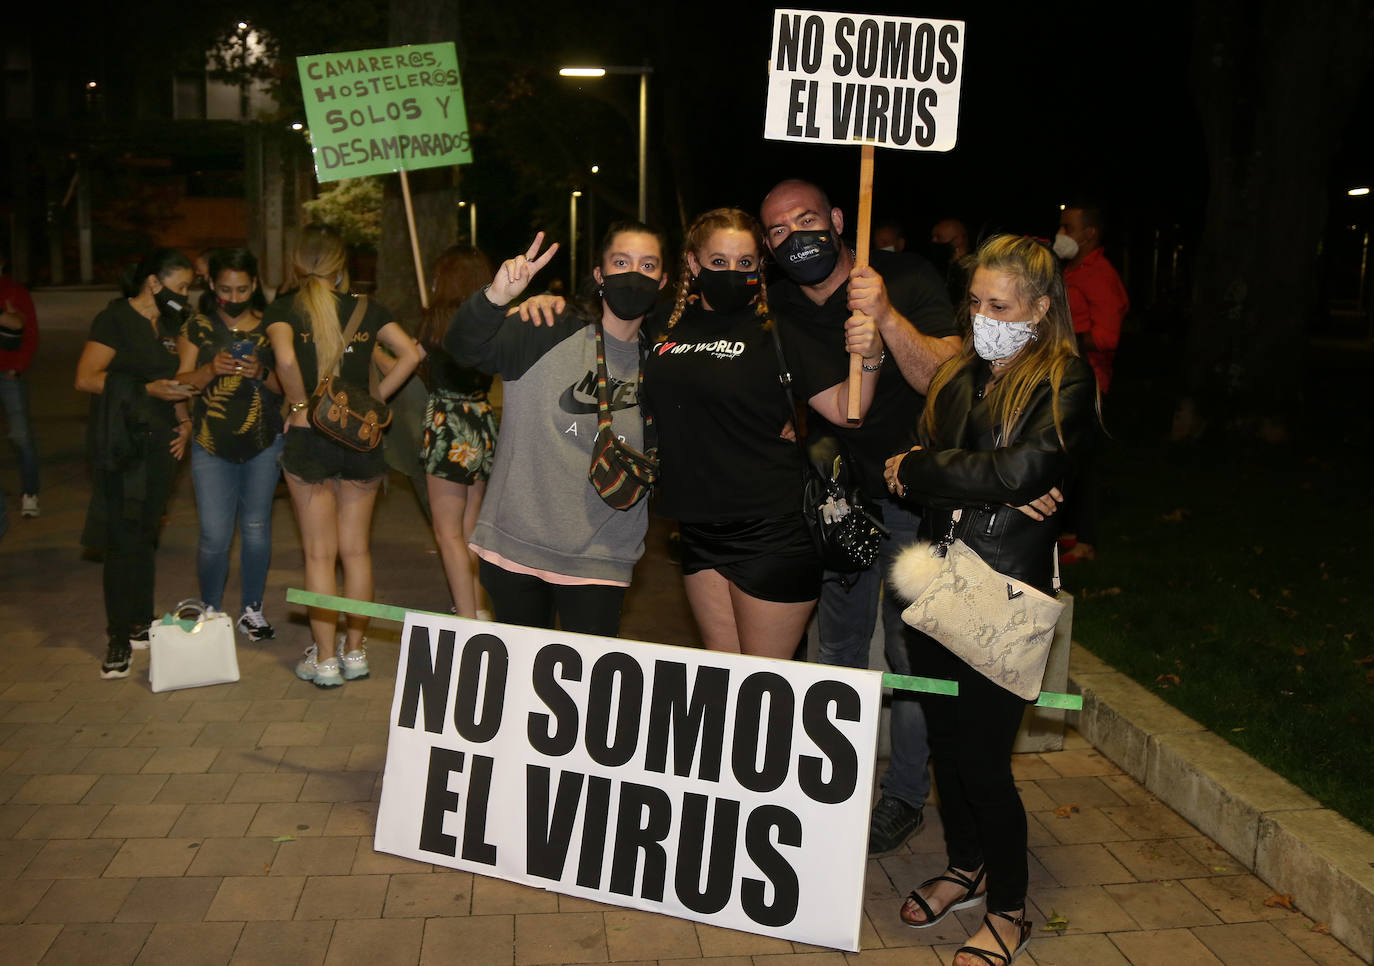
{"x":333,"y":488}
{"x":459,"y":430}
{"x":1008,"y":418}
{"x":138,"y":431}
{"x":729,"y":476}
{"x":819,"y":290}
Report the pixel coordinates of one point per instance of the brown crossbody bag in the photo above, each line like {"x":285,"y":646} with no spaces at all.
{"x":343,"y":411}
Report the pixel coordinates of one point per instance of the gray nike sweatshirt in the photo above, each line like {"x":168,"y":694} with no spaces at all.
{"x":540,"y":510}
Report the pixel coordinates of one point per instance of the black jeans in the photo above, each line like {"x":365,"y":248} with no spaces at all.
{"x":131,"y":535}
{"x":970,"y":746}
{"x":531,"y":602}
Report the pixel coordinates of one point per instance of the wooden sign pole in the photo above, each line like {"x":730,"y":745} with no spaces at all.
{"x":861,"y":261}
{"x":415,"y":241}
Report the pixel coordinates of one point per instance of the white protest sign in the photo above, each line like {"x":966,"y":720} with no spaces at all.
{"x":714,"y":787}
{"x":842,"y":78}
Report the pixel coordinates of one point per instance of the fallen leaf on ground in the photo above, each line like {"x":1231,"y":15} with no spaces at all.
{"x":1055,"y":923}
{"x":1064,"y":811}
{"x":284,"y":838}
{"x":1241,"y":728}
{"x":1281,"y":900}
{"x":1164,"y":680}
{"x":1320,"y":927}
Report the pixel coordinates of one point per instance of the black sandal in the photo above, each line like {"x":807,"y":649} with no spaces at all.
{"x":1006,"y":956}
{"x":950,"y":875}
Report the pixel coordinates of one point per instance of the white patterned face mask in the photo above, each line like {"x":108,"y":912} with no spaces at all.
{"x":995,"y":340}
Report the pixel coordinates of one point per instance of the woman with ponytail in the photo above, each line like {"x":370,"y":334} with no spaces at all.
{"x":730,"y":474}
{"x":333,"y":488}
{"x":137,"y":432}
{"x":1006,"y":419}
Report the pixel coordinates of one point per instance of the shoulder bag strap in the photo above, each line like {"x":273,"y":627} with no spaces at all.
{"x":785,"y":377}
{"x":354,"y":321}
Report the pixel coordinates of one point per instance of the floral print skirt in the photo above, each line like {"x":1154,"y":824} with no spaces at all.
{"x":459,"y":437}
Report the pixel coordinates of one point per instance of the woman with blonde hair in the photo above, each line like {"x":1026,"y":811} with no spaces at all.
{"x":459,"y":439}
{"x":333,"y":488}
{"x":1006,"y":420}
{"x":729,"y":475}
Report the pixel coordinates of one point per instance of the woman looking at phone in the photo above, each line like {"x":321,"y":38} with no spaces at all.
{"x":236,"y":433}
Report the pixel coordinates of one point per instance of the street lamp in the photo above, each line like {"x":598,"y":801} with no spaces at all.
{"x":572,"y":242}
{"x":643,"y":73}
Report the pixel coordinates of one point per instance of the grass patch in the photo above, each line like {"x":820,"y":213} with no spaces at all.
{"x":1233,"y":580}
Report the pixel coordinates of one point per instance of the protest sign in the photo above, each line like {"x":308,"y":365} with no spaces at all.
{"x":384,"y":110}
{"x":842,"y":78}
{"x":715,"y":787}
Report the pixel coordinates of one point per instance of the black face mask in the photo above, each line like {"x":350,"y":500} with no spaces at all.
{"x":170,"y":303}
{"x":807,"y":257}
{"x":629,"y":295}
{"x":233,"y":309}
{"x":727,"y":291}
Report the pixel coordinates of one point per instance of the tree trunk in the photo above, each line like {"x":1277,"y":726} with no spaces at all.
{"x":433,"y":190}
{"x":1270,"y":133}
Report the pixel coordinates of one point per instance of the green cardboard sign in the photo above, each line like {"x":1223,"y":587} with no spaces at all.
{"x":384,"y":110}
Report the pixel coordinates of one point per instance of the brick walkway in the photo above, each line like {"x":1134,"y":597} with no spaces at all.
{"x":233,"y":824}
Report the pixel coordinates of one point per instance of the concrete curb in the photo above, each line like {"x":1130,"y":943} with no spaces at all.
{"x":1269,"y":825}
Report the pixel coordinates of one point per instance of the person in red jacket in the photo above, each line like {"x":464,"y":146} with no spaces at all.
{"x":18,"y":341}
{"x":1098,"y":303}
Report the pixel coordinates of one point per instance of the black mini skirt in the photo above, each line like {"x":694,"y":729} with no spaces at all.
{"x":771,"y":559}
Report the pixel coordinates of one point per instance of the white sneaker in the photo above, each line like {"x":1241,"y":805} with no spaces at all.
{"x":254,"y":626}
{"x":323,"y":674}
{"x":352,"y":664}
{"x":28,"y":505}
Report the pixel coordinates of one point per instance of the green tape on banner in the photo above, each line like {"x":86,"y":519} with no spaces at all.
{"x":905,"y":682}
{"x":365,"y":608}
{"x":900,"y":682}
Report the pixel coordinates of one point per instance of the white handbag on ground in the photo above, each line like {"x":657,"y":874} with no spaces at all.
{"x":192,"y":647}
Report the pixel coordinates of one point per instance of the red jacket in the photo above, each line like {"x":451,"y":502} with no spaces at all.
{"x":1098,"y":303}
{"x":15,"y":297}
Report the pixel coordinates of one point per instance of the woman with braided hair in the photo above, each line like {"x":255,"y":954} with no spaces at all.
{"x":729,"y":474}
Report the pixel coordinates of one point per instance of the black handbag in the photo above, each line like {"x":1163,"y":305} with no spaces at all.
{"x":845,"y":532}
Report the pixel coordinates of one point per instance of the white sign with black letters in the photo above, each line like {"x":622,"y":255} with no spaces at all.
{"x":844,"y":78}
{"x":714,"y":787}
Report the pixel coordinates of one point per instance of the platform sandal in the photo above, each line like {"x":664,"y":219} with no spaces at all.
{"x":950,"y":875}
{"x":1004,"y":957}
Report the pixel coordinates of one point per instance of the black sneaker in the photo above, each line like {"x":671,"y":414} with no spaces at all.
{"x":116,"y":663}
{"x":255,"y":626}
{"x":892,"y":823}
{"x":138,"y":638}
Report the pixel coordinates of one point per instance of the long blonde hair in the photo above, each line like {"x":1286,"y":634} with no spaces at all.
{"x":700,"y":232}
{"x":320,"y":264}
{"x":1037,"y":276}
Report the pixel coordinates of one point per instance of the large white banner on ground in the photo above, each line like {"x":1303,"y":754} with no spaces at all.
{"x":715,"y":787}
{"x":845,"y":78}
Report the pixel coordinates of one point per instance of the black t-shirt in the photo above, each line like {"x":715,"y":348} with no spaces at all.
{"x":447,"y":375}
{"x":813,"y":341}
{"x":139,"y":350}
{"x":712,"y":388}
{"x":357,"y":357}
{"x":235,"y":417}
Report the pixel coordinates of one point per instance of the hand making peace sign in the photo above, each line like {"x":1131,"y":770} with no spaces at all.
{"x":515,"y":273}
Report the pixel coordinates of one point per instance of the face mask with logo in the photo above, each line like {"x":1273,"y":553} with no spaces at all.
{"x":1065,"y":247}
{"x":233,"y":309}
{"x":170,"y":303}
{"x":807,"y":257}
{"x":727,"y":291}
{"x":995,"y":340}
{"x":629,"y":295}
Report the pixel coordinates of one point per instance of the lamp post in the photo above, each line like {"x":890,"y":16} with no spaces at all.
{"x":572,"y":242}
{"x":643,"y":73}
{"x":471,"y":206}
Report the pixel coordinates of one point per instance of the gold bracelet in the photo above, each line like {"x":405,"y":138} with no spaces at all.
{"x":297,"y":407}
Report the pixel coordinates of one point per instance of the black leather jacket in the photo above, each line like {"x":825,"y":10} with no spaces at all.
{"x":964,"y":468}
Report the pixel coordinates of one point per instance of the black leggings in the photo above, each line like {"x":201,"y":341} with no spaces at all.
{"x":131,"y":537}
{"x":971,"y":736}
{"x":531,"y":602}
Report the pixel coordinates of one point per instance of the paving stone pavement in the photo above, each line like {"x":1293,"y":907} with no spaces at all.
{"x":233,"y":824}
